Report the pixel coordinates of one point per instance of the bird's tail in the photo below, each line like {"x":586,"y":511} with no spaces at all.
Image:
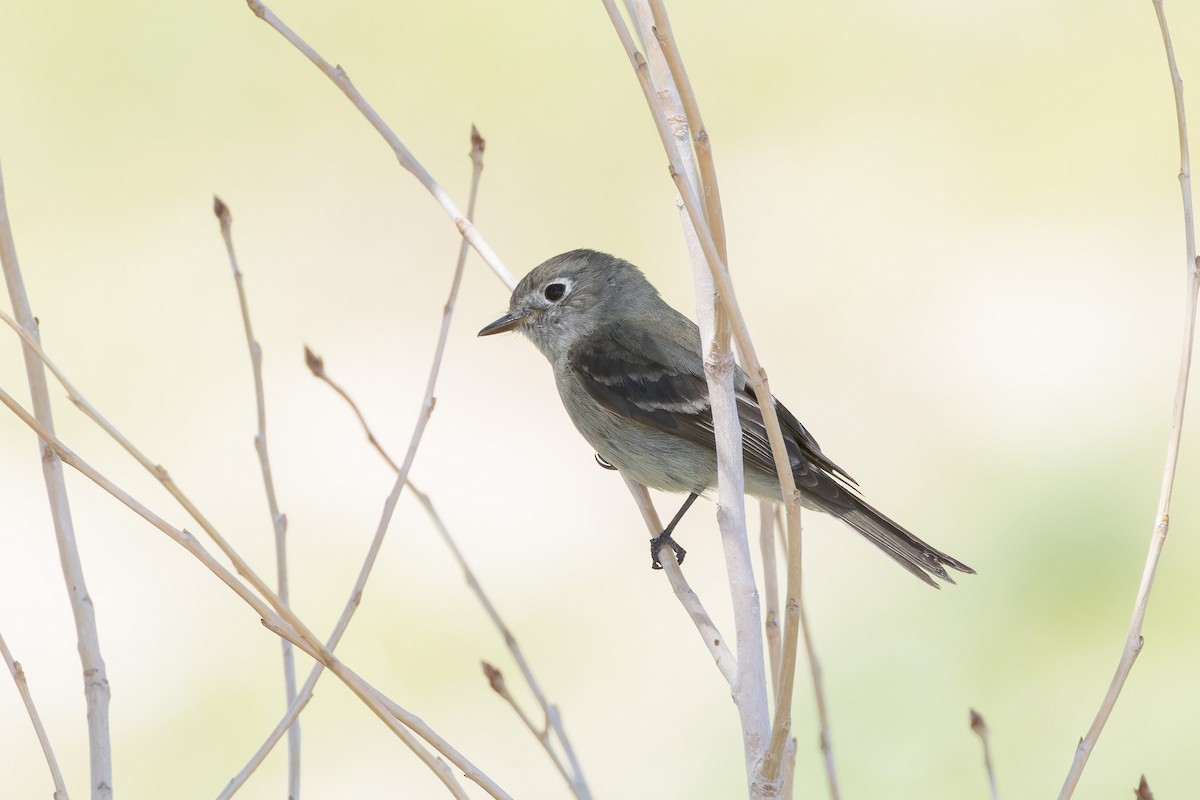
{"x":907,"y":550}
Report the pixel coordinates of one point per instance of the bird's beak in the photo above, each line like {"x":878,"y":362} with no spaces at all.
{"x":505,"y":323}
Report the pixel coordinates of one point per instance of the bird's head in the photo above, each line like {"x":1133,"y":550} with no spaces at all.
{"x":570,"y":296}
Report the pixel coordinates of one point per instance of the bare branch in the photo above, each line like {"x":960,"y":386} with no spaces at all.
{"x":690,"y":601}
{"x":766,"y":544}
{"x":278,"y":519}
{"x":1162,"y":519}
{"x":403,"y":155}
{"x":18,"y":674}
{"x":95,"y":676}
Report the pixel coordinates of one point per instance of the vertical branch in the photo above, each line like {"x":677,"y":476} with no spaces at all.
{"x":818,"y":680}
{"x":772,"y":761}
{"x":278,"y":519}
{"x":1133,"y":637}
{"x":18,"y":674}
{"x":95,"y":677}
{"x":749,"y":687}
{"x":766,"y":543}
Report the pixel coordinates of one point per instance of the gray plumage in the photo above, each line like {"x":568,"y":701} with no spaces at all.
{"x":630,"y":373}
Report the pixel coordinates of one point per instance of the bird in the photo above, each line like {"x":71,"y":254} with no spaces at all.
{"x":630,"y":374}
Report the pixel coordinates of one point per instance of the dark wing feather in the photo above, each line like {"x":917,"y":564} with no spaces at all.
{"x":626,"y":372}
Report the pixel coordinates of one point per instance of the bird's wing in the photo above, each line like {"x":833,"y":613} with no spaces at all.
{"x":626,"y":371}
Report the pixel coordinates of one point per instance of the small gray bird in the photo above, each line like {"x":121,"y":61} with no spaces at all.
{"x":630,"y":373}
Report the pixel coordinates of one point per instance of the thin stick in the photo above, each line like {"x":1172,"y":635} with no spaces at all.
{"x":690,"y":601}
{"x":574,"y":776}
{"x":316,"y":364}
{"x":18,"y":674}
{"x":278,"y":519}
{"x":1133,"y":637}
{"x":757,"y":378}
{"x":403,"y":155}
{"x":818,"y":681}
{"x":95,"y":677}
{"x":766,"y":544}
{"x":981,"y":730}
{"x":279,"y":618}
{"x":713,"y":213}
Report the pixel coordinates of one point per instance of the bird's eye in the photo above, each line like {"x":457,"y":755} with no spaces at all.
{"x":554,"y":292}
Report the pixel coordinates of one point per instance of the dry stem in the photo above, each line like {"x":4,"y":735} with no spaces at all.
{"x":981,"y":730}
{"x":1133,"y":637}
{"x":690,"y":601}
{"x":95,"y":677}
{"x":278,"y":519}
{"x":749,"y":687}
{"x":18,"y":674}
{"x":766,"y":543}
{"x":403,"y":155}
{"x":685,"y":182}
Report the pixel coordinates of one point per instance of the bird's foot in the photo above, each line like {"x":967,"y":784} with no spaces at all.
{"x":656,"y":544}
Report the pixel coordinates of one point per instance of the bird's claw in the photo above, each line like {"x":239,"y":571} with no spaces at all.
{"x":656,"y":544}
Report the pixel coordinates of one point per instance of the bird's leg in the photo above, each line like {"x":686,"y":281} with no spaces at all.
{"x":665,"y":537}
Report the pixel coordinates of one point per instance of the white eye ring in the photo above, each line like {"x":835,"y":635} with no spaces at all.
{"x":556,"y":290}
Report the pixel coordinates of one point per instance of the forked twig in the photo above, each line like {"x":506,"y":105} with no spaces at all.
{"x":278,"y":519}
{"x":18,"y":674}
{"x":572,"y":774}
{"x":355,"y":598}
{"x":1162,"y":519}
{"x":95,"y":676}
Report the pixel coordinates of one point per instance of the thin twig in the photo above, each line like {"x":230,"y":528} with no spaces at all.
{"x":981,"y":730}
{"x":403,"y":155}
{"x":278,"y":519}
{"x":766,"y":544}
{"x":573,"y":776}
{"x":95,"y":676}
{"x":818,"y":682}
{"x":1133,"y":637}
{"x":18,"y":674}
{"x":690,"y":601}
{"x":316,"y":364}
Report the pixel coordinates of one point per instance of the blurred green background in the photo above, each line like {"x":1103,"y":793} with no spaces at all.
{"x":955,"y":230}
